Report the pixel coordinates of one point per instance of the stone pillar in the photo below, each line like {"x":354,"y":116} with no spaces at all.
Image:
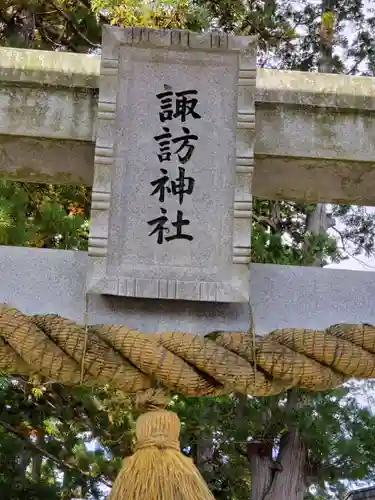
{"x":171,"y":204}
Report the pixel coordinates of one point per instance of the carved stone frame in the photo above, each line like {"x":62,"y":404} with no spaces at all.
{"x":113,"y":38}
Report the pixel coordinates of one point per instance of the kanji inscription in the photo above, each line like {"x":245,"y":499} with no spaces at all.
{"x":174,"y":106}
{"x":170,"y":216}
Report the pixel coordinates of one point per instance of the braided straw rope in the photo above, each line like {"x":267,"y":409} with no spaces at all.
{"x":60,"y":350}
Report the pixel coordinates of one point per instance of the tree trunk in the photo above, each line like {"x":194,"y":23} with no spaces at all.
{"x":262,"y":469}
{"x":204,"y":450}
{"x":24,"y":461}
{"x":318,"y":222}
{"x":327,"y":36}
{"x":289,"y":482}
{"x":36,"y":468}
{"x":284,"y":478}
{"x":204,"y":455}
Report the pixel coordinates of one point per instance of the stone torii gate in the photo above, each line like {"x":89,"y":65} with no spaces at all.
{"x":300,"y":136}
{"x":182,"y":133}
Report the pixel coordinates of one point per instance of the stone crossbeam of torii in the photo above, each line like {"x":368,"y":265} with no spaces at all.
{"x":112,"y":122}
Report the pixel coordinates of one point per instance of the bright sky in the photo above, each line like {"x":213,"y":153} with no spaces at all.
{"x":360,"y":263}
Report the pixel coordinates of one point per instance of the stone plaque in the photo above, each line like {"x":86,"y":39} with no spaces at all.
{"x":171,"y":202}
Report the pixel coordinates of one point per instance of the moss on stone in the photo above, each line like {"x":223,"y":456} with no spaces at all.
{"x":315,"y":89}
{"x":31,"y":175}
{"x":49,"y":68}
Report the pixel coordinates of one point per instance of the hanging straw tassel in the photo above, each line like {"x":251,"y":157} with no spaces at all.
{"x":158,"y":470}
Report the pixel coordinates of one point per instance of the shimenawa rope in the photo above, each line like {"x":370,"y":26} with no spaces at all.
{"x":60,"y":350}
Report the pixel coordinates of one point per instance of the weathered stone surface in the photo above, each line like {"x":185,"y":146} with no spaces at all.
{"x":41,"y":67}
{"x":315,"y":137}
{"x":31,"y":158}
{"x":315,"y":154}
{"x":315,"y":89}
{"x":48,"y":112}
{"x":298,"y":154}
{"x":171,"y":201}
{"x":42,"y":281}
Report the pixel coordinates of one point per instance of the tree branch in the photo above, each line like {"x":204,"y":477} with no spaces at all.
{"x":47,"y":32}
{"x":86,"y":4}
{"x":350,"y":254}
{"x":260,"y":219}
{"x":241,"y":451}
{"x":40,"y":451}
{"x":68,"y":18}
